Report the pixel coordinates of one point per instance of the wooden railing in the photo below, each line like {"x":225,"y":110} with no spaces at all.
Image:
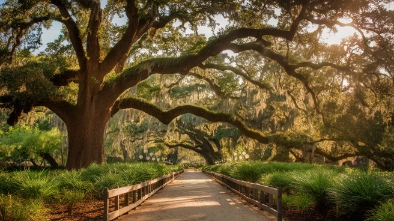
{"x":256,"y":194}
{"x":121,"y":200}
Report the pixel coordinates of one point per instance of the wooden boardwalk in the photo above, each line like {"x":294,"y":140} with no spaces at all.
{"x":194,"y":196}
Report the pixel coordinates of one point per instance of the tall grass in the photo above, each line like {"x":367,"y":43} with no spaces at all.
{"x":298,"y":201}
{"x":383,"y":212}
{"x":23,"y":193}
{"x":92,"y":180}
{"x":247,"y":171}
{"x":71,"y":198}
{"x":279,"y":179}
{"x":331,"y":190}
{"x":314,"y":184}
{"x":16,"y":208}
{"x":358,"y":192}
{"x":7,"y":184}
{"x":257,"y":168}
{"x":31,"y":185}
{"x":73,"y":181}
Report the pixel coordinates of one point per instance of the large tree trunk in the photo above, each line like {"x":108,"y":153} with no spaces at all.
{"x":208,"y":160}
{"x":86,"y":136}
{"x":212,"y":157}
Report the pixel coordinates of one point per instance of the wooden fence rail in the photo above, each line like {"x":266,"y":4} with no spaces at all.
{"x":121,"y":200}
{"x":256,"y":194}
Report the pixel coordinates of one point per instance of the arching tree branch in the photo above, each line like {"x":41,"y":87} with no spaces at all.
{"x":237,"y":72}
{"x":123,"y":46}
{"x":74,"y":32}
{"x":166,"y":116}
{"x":216,"y":88}
{"x":186,"y":146}
{"x":133,"y":75}
{"x":65,"y":78}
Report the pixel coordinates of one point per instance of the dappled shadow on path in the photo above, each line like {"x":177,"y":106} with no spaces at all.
{"x":194,"y":196}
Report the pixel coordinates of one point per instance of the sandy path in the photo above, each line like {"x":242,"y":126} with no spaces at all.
{"x":195,"y":196}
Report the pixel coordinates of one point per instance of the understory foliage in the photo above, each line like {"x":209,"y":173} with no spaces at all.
{"x":37,"y":144}
{"x":383,"y":212}
{"x":334,"y":192}
{"x":23,"y":194}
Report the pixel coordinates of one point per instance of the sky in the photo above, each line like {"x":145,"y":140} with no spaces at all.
{"x":328,"y":37}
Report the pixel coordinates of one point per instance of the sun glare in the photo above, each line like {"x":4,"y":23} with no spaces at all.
{"x":331,"y":37}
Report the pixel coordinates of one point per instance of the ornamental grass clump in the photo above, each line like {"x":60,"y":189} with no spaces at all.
{"x":110,"y":181}
{"x":145,"y":172}
{"x":248,"y":171}
{"x":16,"y":208}
{"x":34,"y":185}
{"x":279,"y":179}
{"x":71,"y":198}
{"x":298,"y":201}
{"x":94,"y":171}
{"x":284,"y":167}
{"x":7,"y":184}
{"x":357,"y":192}
{"x":314,"y":184}
{"x":383,"y":212}
{"x":225,"y":169}
{"x":122,"y":174}
{"x":74,"y":182}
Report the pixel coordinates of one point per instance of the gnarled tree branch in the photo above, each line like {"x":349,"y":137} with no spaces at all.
{"x":74,"y":32}
{"x":166,"y":116}
{"x":133,"y":75}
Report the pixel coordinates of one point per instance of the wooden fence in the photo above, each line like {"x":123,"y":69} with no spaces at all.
{"x":121,"y":200}
{"x":254,"y":193}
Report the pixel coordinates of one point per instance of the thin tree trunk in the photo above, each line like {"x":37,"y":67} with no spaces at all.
{"x":49,"y":159}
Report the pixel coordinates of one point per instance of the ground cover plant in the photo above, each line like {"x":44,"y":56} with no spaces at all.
{"x":321,"y":192}
{"x":35,"y":195}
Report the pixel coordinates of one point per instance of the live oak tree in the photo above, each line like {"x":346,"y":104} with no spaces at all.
{"x":198,"y":137}
{"x":85,"y":73}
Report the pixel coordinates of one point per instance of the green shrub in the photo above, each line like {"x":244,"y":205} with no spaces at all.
{"x":34,"y":185}
{"x":73,"y":180}
{"x":127,"y":173}
{"x":256,"y":169}
{"x":298,"y":201}
{"x":384,"y":212}
{"x":110,"y":181}
{"x":279,"y":179}
{"x":225,"y":169}
{"x":315,"y":184}
{"x":94,"y":171}
{"x":248,"y":172}
{"x":15,"y":208}
{"x":358,"y":192}
{"x":71,"y":198}
{"x":7,"y":184}
{"x":285,"y":167}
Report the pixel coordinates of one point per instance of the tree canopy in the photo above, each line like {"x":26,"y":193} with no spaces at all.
{"x":265,"y":71}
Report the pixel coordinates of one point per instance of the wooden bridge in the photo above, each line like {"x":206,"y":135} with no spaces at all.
{"x":192,"y":196}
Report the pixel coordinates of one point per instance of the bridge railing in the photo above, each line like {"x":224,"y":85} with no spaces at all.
{"x":264,"y":197}
{"x":121,"y":200}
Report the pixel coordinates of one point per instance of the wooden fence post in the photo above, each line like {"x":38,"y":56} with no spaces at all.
{"x":279,"y":206}
{"x":106,"y":205}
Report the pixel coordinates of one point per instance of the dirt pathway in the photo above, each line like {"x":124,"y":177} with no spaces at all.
{"x":195,"y":196}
